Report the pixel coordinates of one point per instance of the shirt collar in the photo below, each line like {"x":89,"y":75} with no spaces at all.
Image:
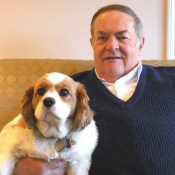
{"x":128,"y":78}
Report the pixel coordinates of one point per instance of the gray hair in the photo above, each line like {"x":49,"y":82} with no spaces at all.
{"x":137,"y":22}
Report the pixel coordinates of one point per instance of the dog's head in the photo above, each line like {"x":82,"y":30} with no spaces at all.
{"x":55,"y":105}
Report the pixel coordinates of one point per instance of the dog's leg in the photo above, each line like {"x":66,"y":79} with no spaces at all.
{"x":80,"y":167}
{"x":7,"y":163}
{"x":8,"y":142}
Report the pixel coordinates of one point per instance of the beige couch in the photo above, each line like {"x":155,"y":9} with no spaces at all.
{"x":16,"y":75}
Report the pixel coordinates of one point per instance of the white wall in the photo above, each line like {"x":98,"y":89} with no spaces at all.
{"x":61,"y":28}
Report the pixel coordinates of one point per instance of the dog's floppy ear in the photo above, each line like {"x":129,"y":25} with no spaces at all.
{"x":27,"y":109}
{"x":83,"y":114}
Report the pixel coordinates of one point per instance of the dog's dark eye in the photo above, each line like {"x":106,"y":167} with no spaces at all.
{"x":41,"y":91}
{"x":64,"y":92}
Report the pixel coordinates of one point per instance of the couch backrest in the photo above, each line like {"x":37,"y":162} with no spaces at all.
{"x":16,"y":75}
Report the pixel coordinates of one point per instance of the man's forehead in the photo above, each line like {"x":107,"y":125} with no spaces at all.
{"x":113,"y":19}
{"x":113,"y":15}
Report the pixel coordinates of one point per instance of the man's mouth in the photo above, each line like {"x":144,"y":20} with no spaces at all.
{"x":113,"y":58}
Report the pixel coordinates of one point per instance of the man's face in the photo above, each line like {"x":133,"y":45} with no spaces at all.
{"x":115,"y":44}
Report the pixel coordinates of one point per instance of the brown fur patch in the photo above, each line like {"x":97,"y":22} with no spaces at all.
{"x":69,"y":85}
{"x":83,"y":114}
{"x":27,"y":109}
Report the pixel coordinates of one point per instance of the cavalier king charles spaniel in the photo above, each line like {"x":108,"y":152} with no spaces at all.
{"x":55,"y":122}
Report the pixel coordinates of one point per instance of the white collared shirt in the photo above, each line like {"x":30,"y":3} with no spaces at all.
{"x":125,"y":86}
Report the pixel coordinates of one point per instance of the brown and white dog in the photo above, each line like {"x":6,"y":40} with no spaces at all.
{"x":55,"y":121}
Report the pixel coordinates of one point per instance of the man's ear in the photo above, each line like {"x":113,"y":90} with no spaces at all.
{"x":142,"y":43}
{"x":91,"y":41}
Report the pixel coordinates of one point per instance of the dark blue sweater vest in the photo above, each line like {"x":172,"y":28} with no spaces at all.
{"x":136,"y":137}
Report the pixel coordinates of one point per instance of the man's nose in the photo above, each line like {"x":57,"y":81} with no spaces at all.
{"x":112,"y":43}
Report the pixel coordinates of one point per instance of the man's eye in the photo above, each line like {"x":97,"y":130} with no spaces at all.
{"x":64,"y":92}
{"x":41,"y":91}
{"x":122,"y":38}
{"x":102,"y":38}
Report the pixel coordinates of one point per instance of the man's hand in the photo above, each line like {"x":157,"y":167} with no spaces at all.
{"x":30,"y":166}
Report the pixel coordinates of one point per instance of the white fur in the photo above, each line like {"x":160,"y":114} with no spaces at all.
{"x":17,"y":141}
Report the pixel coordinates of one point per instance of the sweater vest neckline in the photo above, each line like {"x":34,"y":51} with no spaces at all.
{"x":102,"y":89}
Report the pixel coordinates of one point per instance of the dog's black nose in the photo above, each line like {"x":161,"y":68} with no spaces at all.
{"x":49,"y":102}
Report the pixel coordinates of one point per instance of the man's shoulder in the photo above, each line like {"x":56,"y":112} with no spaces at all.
{"x":160,"y":72}
{"x":81,"y":76}
{"x":164,"y":69}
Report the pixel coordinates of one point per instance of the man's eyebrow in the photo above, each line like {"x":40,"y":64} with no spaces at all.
{"x":121,"y":32}
{"x":102,"y":32}
{"x":117,"y":33}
